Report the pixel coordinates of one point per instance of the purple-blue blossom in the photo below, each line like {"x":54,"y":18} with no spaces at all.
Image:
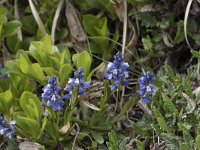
{"x":51,"y":95}
{"x":6,"y":128}
{"x":79,"y":82}
{"x":117,"y":71}
{"x":147,"y":88}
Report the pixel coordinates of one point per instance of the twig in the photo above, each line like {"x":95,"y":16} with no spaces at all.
{"x":124,"y":42}
{"x":185,"y":21}
{"x":16,"y":13}
{"x":124,"y":28}
{"x":55,"y":20}
{"x":37,"y":18}
{"x":134,"y":34}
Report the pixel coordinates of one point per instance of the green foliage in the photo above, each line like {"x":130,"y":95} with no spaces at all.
{"x":116,"y":143}
{"x":154,"y":36}
{"x":6,"y":103}
{"x":11,"y":28}
{"x":83,"y":60}
{"x":98,"y":30}
{"x":28,"y":121}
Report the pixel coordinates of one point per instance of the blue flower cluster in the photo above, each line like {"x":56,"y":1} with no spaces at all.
{"x":5,"y":75}
{"x":117,"y":71}
{"x":77,"y":81}
{"x":146,"y":87}
{"x":51,"y":95}
{"x":6,"y":128}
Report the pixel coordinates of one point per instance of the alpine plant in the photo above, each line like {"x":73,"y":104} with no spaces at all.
{"x":147,"y":88}
{"x":117,"y":72}
{"x":76,"y":82}
{"x":51,"y":95}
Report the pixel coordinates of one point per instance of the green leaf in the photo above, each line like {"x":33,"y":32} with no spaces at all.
{"x":47,"y":46}
{"x":68,"y":115}
{"x":31,"y":105}
{"x":65,"y":72}
{"x":140,"y":145}
{"x":137,"y":129}
{"x":124,"y":144}
{"x":98,"y":138}
{"x":185,"y":146}
{"x":36,"y":72}
{"x":195,"y":54}
{"x":147,"y":44}
{"x":196,"y":37}
{"x":95,"y":26}
{"x":13,"y":67}
{"x":83,"y":60}
{"x":130,"y":103}
{"x":163,"y":124}
{"x":35,"y":50}
{"x":46,"y":54}
{"x":179,"y":37}
{"x":84,"y":111}
{"x":113,"y":137}
{"x":114,"y":41}
{"x":148,"y":20}
{"x":164,"y":23}
{"x":52,"y":130}
{"x":6,"y":103}
{"x":28,"y":126}
{"x":156,"y":112}
{"x":188,"y":139}
{"x":89,"y":22}
{"x":31,"y":70}
{"x":13,"y":43}
{"x":61,"y":34}
{"x":95,"y":69}
{"x":197,"y":140}
{"x":161,"y":121}
{"x":185,"y":127}
{"x":2,"y":10}
{"x":11,"y":28}
{"x":23,"y":58}
{"x":29,"y":24}
{"x":44,"y":123}
{"x":102,"y":5}
{"x":113,"y":140}
{"x":97,"y":115}
{"x":171,"y":141}
{"x":169,"y":105}
{"x":3,"y":19}
{"x":191,"y":105}
{"x":65,"y":57}
{"x":50,"y":71}
{"x":103,"y":27}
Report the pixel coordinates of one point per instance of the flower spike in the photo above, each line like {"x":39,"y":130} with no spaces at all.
{"x":6,"y":128}
{"x":77,"y":81}
{"x":146,"y":87}
{"x":51,"y":95}
{"x":117,"y":71}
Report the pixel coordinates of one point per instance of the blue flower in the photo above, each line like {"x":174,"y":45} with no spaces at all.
{"x":5,"y":75}
{"x":117,"y":71}
{"x":77,"y":81}
{"x":146,"y":87}
{"x":51,"y":95}
{"x":6,"y":128}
